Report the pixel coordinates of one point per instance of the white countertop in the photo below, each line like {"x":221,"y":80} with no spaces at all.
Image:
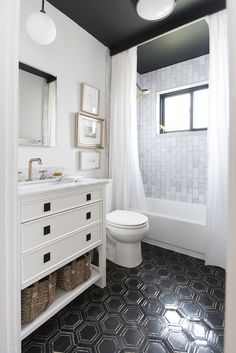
{"x":41,"y":187}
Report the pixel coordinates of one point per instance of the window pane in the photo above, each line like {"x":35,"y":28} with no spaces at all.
{"x":177,"y":112}
{"x":200,"y":109}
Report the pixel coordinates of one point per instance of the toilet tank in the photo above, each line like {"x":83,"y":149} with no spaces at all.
{"x":108,"y":196}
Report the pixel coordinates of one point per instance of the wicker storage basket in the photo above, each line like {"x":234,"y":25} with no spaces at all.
{"x":36,"y":298}
{"x":73,"y":274}
{"x":88,"y":260}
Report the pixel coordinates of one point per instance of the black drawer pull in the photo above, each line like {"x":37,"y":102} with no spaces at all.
{"x":46,"y":230}
{"x":88,"y":197}
{"x":47,"y":207}
{"x":47,"y":257}
{"x":88,"y":215}
{"x":88,"y":237}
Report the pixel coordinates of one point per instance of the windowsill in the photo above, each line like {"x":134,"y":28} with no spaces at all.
{"x":183,"y":133}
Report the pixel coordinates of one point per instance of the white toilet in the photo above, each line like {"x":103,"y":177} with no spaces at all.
{"x":125,"y":230}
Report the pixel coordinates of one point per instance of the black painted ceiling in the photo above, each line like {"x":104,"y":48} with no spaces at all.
{"x":117,"y":25}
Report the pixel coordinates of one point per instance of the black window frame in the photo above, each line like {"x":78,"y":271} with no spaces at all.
{"x":190,"y":90}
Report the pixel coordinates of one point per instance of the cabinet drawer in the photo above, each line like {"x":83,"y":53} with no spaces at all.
{"x":44,"y":230}
{"x":35,"y":209}
{"x":41,"y":262}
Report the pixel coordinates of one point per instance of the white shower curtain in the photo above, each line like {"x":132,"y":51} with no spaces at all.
{"x":127,"y":184}
{"x":218,"y":138}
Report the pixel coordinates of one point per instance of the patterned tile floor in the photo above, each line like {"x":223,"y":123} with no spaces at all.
{"x":171,"y":303}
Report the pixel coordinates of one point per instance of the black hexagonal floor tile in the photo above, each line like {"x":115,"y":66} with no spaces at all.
{"x":214,"y":320}
{"x":116,"y":288}
{"x":185,"y":292}
{"x":34,"y":348}
{"x":178,"y":341}
{"x":63,"y":343}
{"x":155,"y":347}
{"x":88,"y":332}
{"x":94,"y":311}
{"x":152,"y":307}
{"x":211,"y":281}
{"x":114,"y":304}
{"x":133,"y":283}
{"x":169,"y":299}
{"x":154,"y":326}
{"x":218,"y":294}
{"x":132,"y":337}
{"x":150,"y":291}
{"x":71,"y":319}
{"x":111,"y":323}
{"x":166,"y":284}
{"x":133,"y":296}
{"x":171,"y":303}
{"x":132,"y":314}
{"x":190,"y":310}
{"x":207,"y":301}
{"x":163,"y":273}
{"x":107,"y":345}
{"x":173,"y":317}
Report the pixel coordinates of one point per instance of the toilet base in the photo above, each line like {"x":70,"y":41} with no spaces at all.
{"x":123,"y":254}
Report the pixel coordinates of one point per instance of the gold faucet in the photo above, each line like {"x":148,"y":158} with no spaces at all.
{"x":30,"y":166}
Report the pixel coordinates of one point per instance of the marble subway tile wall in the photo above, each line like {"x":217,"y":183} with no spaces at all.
{"x":173,"y":166}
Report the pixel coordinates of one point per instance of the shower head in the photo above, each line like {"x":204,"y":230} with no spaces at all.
{"x":142,"y":92}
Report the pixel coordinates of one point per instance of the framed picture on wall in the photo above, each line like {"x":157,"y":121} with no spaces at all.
{"x":89,"y":99}
{"x":89,"y":160}
{"x":89,"y":131}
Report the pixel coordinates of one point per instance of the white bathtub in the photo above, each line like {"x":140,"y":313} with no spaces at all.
{"x":177,"y":226}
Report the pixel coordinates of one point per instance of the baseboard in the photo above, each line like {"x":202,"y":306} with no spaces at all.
{"x":174,"y":248}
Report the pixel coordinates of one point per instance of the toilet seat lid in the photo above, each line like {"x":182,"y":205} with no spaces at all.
{"x":126,"y":218}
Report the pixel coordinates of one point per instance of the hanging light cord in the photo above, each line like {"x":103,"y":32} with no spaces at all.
{"x":42,"y":10}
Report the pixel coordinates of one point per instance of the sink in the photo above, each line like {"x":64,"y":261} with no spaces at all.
{"x":29,"y":187}
{"x":36,"y":185}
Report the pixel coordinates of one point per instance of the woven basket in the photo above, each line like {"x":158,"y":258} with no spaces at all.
{"x":75,"y":273}
{"x":88,"y":260}
{"x":37,"y":298}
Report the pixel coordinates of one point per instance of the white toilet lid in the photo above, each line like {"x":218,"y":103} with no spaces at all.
{"x":126,"y":218}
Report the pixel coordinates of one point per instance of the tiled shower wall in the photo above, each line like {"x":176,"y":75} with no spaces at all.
{"x":174,"y":165}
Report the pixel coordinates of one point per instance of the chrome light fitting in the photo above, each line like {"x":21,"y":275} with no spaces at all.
{"x":142,"y":92}
{"x":155,"y":10}
{"x":41,"y":27}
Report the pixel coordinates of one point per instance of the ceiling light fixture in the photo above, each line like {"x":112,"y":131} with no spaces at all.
{"x":41,"y":27}
{"x":155,"y":10}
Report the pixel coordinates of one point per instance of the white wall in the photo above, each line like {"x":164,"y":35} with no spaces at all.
{"x":74,"y":57}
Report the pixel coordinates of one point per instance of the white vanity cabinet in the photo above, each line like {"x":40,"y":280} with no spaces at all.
{"x":57,"y":225}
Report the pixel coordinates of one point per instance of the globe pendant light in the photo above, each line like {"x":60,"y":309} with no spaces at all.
{"x":41,"y":27}
{"x":154,"y":10}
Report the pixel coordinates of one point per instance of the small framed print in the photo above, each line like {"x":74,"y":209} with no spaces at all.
{"x":89,"y":131}
{"x":89,"y":99}
{"x":89,"y":160}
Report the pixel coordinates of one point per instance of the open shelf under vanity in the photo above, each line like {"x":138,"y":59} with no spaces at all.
{"x":62,"y":298}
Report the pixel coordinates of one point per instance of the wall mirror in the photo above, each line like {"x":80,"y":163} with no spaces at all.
{"x":37,"y":107}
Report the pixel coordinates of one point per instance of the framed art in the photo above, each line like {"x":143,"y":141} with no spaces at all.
{"x":89,"y":131}
{"x":89,"y":160}
{"x":89,"y":99}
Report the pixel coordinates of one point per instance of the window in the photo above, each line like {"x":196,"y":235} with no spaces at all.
{"x":184,"y":110}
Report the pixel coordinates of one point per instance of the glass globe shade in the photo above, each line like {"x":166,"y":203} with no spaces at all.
{"x":41,"y":28}
{"x":154,"y":10}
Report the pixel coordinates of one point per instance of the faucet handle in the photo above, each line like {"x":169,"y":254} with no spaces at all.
{"x":20,"y":176}
{"x":43,"y":176}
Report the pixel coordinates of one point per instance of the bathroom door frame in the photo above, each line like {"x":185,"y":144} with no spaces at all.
{"x":10,"y":244}
{"x":230,"y":314}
